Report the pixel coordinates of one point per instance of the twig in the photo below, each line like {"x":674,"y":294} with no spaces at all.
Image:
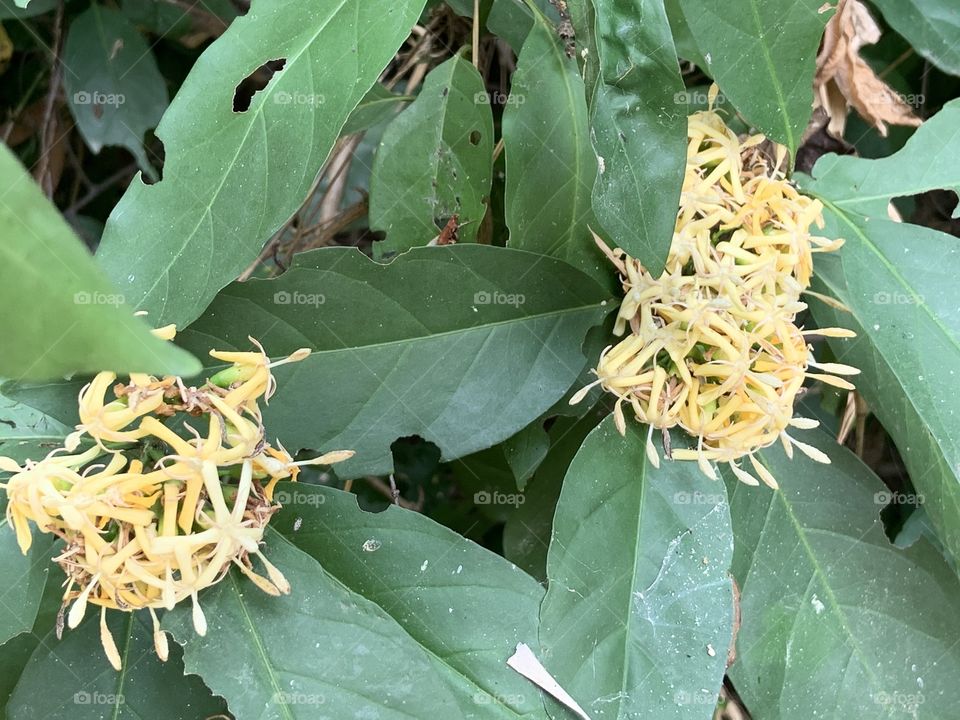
{"x":497,"y":149}
{"x":319,"y":235}
{"x":340,"y":162}
{"x":416,"y":77}
{"x":394,"y":493}
{"x":896,"y":63}
{"x":476,"y":34}
{"x":420,"y":49}
{"x":95,"y":190}
{"x":381,"y":487}
{"x":47,"y":129}
{"x":21,"y":106}
{"x":270,"y":249}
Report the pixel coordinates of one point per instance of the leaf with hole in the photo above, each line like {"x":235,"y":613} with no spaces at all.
{"x":865,"y":187}
{"x":435,"y":161}
{"x":232,"y":179}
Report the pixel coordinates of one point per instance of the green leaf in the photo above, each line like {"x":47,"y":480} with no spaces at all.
{"x":525,"y":451}
{"x":393,"y":359}
{"x":584,"y":21}
{"x":898,"y":280}
{"x":639,"y":130}
{"x":550,"y":164}
{"x":23,"y":579}
{"x":171,"y":22}
{"x":435,"y":161}
{"x":70,"y":679}
{"x":15,"y":653}
{"x":26,"y":433}
{"x":464,"y":8}
{"x":465,"y":606}
{"x":231,"y":179}
{"x":512,"y":19}
{"x":23,"y":9}
{"x":682,"y":36}
{"x":762,"y":53}
{"x":865,"y":187}
{"x":114,"y":90}
{"x":322,"y":650}
{"x":378,"y":104}
{"x":932,"y":27}
{"x":639,"y":611}
{"x":60,"y":314}
{"x":526,"y":534}
{"x":834,"y":617}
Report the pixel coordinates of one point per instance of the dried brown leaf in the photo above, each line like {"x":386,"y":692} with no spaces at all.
{"x":844,"y":79}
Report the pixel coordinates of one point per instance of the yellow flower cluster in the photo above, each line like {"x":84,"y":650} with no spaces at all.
{"x":154,"y":511}
{"x":713,"y":347}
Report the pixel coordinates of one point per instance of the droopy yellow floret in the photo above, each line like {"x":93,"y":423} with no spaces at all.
{"x":712,"y":346}
{"x":154,"y":511}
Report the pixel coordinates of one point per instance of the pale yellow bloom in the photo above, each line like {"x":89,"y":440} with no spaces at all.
{"x":152,"y":537}
{"x":712,"y":346}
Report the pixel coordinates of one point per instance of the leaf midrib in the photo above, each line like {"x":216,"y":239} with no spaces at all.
{"x":124,"y":668}
{"x":831,"y":597}
{"x":261,"y":651}
{"x":772,"y":69}
{"x":644,"y":480}
{"x":424,"y":338}
{"x":919,"y":300}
